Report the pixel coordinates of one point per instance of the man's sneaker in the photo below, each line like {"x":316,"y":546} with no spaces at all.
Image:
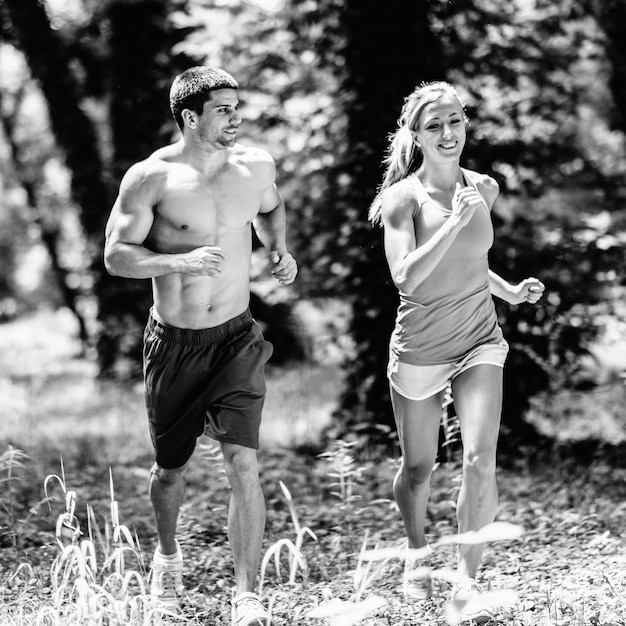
{"x":166,"y":585}
{"x":248,"y":610}
{"x":468,"y":606}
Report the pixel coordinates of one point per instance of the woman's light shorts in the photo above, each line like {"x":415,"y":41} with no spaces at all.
{"x":418,"y":382}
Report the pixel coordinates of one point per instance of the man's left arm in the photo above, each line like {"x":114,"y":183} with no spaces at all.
{"x":271,"y":228}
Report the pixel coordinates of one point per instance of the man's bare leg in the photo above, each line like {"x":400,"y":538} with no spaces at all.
{"x":246,"y":514}
{"x":167,"y":492}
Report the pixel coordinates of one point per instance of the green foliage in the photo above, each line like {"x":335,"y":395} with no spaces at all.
{"x":287,"y":63}
{"x":519,"y":67}
{"x":297,"y":561}
{"x":138,"y":41}
{"x":582,"y":264}
{"x":535,"y":79}
{"x":100,"y":72}
{"x":322,"y":86}
{"x":374,"y":82}
{"x":524,"y":71}
{"x":35,"y":215}
{"x":10,"y":463}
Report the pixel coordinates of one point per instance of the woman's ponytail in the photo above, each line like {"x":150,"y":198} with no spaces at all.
{"x":400,"y":161}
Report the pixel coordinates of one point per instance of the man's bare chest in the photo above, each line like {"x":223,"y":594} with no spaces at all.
{"x":190,"y":201}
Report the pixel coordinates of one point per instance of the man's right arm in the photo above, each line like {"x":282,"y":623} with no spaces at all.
{"x":129,"y":224}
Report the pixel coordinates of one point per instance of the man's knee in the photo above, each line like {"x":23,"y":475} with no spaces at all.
{"x":239,"y":461}
{"x":167,"y":477}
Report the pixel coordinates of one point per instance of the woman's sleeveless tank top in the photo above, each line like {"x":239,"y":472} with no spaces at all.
{"x":452,"y":310}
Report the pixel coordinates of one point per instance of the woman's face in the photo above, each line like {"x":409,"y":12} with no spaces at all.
{"x":441,"y":130}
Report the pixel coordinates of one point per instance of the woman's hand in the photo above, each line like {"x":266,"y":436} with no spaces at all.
{"x":529,"y":290}
{"x":465,"y":201}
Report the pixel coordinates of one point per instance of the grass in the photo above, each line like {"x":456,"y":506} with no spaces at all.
{"x":333,"y":548}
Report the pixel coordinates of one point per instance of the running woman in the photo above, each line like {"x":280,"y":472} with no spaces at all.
{"x":437,"y":235}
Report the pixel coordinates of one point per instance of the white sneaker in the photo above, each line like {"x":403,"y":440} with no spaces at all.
{"x":416,"y":579}
{"x":466,"y":601}
{"x":416,"y":582}
{"x":166,"y":585}
{"x":248,"y":610}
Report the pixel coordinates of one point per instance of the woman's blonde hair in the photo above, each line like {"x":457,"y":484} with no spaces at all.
{"x":402,"y":154}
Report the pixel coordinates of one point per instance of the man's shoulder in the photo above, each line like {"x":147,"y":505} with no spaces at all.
{"x":159,"y":161}
{"x":148,"y":172}
{"x":163,"y":158}
{"x":251,"y":155}
{"x":257,"y":160}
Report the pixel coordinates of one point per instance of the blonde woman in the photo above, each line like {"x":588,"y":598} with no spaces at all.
{"x":437,"y":235}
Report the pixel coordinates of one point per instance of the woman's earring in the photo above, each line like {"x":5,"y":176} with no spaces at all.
{"x":415,"y":140}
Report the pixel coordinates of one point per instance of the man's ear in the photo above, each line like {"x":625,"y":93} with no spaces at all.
{"x":189,"y":118}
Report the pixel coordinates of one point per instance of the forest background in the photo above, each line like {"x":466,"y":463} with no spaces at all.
{"x":83,"y":95}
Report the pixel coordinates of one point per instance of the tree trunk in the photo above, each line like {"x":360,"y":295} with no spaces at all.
{"x":387,"y":53}
{"x":140,"y":66}
{"x":49,"y":233}
{"x":49,"y":63}
{"x":611,"y":15}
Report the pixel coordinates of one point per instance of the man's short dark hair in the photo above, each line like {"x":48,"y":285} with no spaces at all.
{"x":191,"y":89}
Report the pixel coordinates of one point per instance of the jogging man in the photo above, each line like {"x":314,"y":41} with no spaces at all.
{"x":183,"y":218}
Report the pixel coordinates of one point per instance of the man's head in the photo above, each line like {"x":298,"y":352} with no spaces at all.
{"x":191,"y":89}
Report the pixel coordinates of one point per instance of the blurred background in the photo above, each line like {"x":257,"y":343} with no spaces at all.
{"x":84,"y":94}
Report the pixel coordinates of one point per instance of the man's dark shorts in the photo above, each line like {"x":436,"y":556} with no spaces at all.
{"x":203,"y":381}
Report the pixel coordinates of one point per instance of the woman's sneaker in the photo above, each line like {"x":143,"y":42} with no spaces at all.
{"x":466,"y":603}
{"x":166,"y":584}
{"x":416,"y":579}
{"x":416,"y":582}
{"x":248,"y":610}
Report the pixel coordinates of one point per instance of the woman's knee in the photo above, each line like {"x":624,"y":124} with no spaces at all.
{"x":416,"y":475}
{"x":479,"y":461}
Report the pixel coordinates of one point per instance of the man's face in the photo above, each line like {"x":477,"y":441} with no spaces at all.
{"x":220,"y":119}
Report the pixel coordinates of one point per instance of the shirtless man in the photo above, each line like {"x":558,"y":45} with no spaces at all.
{"x":183,"y":218}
